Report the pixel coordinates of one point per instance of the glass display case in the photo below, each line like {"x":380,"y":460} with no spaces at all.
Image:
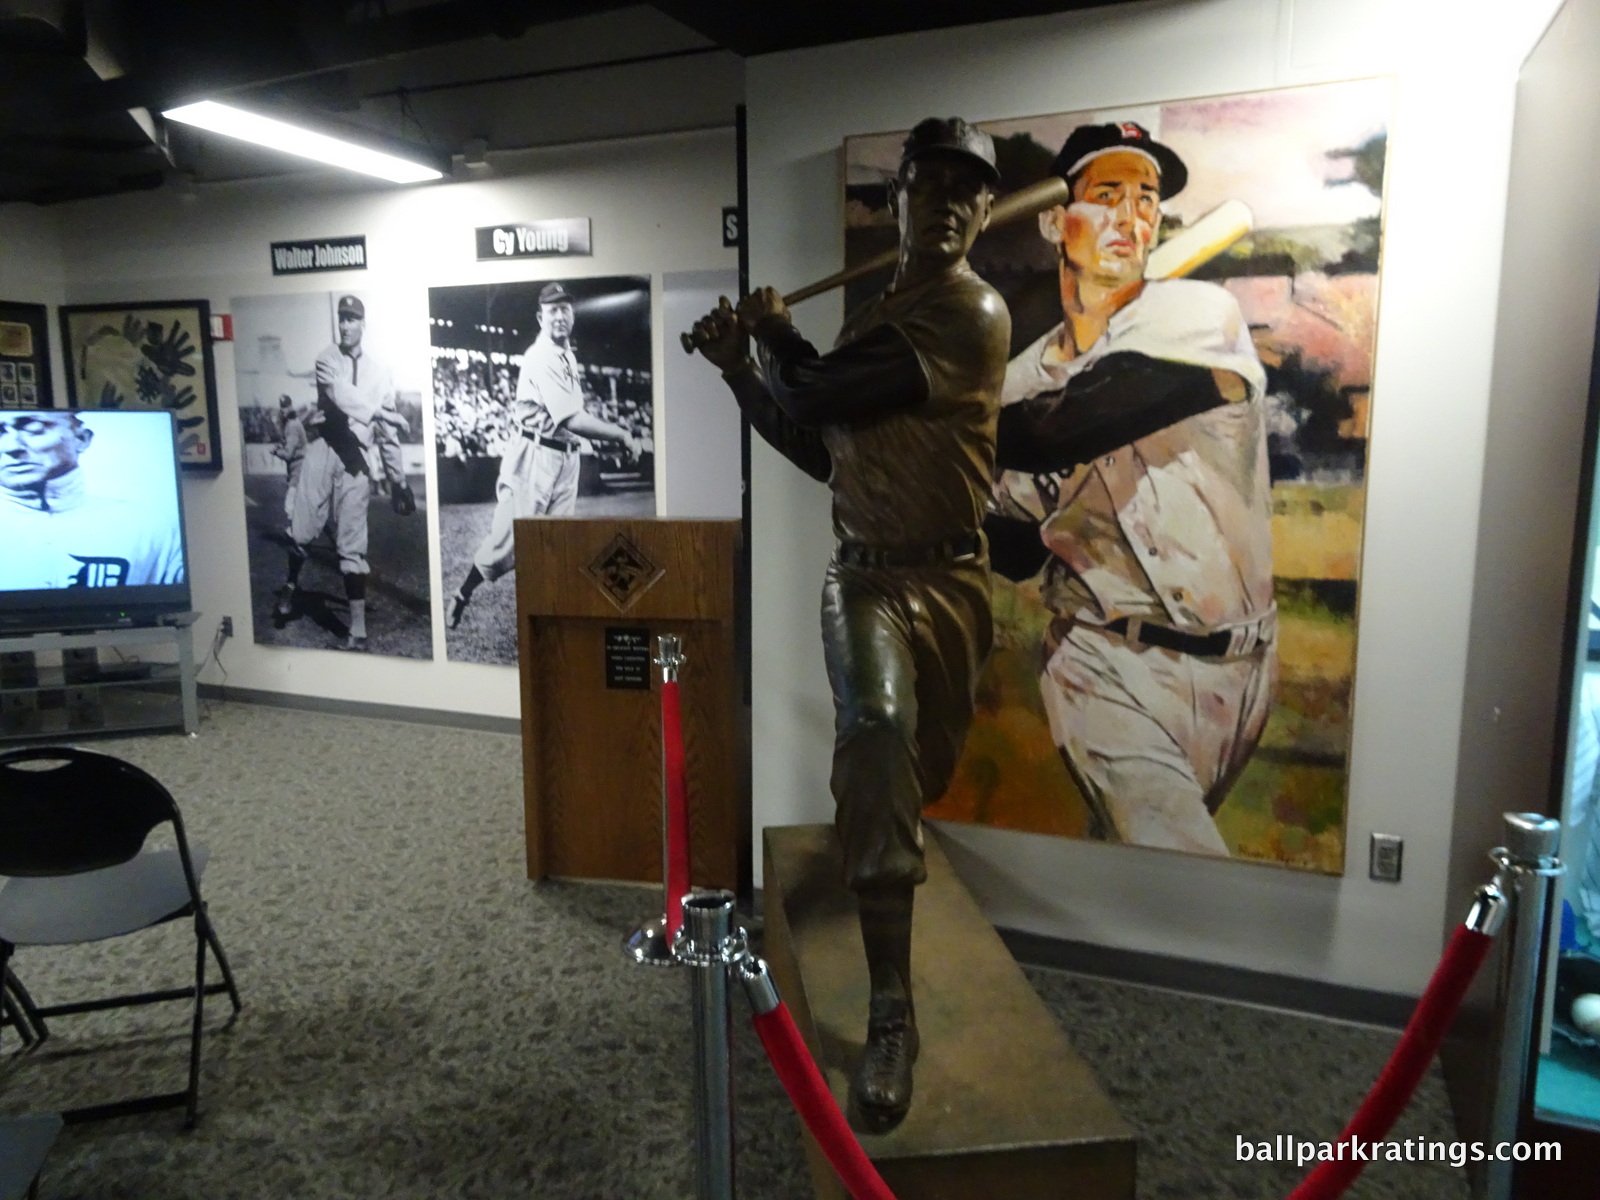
{"x":1567,"y":1074}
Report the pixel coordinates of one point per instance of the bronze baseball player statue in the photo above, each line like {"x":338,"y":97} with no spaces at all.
{"x":899,"y":420}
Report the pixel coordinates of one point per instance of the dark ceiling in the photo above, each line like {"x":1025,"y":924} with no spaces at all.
{"x":80,"y":78}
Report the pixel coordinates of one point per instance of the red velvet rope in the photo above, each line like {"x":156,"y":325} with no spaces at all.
{"x":814,"y":1102}
{"x":1405,"y":1068}
{"x":677,"y":883}
{"x":1328,"y":1180}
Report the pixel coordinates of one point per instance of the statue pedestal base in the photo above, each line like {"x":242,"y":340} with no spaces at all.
{"x":1003,"y":1106}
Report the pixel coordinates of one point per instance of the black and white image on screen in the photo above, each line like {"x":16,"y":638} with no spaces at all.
{"x":88,"y":500}
{"x":543,"y":403}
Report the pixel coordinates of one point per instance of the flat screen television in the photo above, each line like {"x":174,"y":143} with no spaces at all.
{"x":91,"y":520}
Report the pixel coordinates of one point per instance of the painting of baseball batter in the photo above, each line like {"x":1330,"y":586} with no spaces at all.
{"x":333,"y":475}
{"x":1176,"y":521}
{"x":543,"y":406}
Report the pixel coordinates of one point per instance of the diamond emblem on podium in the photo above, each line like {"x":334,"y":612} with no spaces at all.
{"x":623,"y":572}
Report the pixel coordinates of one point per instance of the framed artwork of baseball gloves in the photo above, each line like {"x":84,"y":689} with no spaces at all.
{"x":333,"y":474}
{"x":1178,"y":499}
{"x":543,"y":405}
{"x":147,"y":355}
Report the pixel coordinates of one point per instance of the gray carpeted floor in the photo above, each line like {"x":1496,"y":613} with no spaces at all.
{"x":420,"y":1021}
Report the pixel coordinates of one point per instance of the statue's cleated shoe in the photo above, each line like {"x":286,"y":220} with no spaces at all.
{"x":881,"y":1088}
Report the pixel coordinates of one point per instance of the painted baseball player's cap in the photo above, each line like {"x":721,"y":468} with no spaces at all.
{"x":1088,"y":142}
{"x":950,"y":135}
{"x":352,"y":306}
{"x":554,"y":293}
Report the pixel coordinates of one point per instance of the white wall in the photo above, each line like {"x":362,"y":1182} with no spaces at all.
{"x":656,"y":207}
{"x":704,"y":480}
{"x":31,"y":271}
{"x":1447,"y":179}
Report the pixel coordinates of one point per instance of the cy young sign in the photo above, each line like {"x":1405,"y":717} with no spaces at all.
{"x":534,"y":239}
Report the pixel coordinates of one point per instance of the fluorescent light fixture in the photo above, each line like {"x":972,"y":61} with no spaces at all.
{"x":291,"y":139}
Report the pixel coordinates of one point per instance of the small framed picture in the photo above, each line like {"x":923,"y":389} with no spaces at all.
{"x":16,"y":337}
{"x":151,"y":355}
{"x":27,"y":395}
{"x":25,"y":341}
{"x":8,"y":394}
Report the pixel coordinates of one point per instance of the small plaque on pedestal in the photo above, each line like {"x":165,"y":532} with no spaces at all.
{"x":628,"y":659}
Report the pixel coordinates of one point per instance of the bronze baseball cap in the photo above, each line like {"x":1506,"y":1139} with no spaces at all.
{"x":353,"y":306}
{"x":950,"y":135}
{"x":1089,"y":142}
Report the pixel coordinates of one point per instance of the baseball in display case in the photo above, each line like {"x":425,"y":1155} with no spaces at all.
{"x":1177,"y":517}
{"x":334,"y":489}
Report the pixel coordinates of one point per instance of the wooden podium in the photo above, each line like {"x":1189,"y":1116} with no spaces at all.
{"x":592,"y":596}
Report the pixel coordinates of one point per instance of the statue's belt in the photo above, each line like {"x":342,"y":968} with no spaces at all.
{"x":933,"y":554}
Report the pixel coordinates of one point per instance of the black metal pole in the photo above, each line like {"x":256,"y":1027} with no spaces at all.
{"x":743,"y":633}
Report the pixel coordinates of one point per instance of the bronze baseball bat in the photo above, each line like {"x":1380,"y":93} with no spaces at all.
{"x":1026,"y":202}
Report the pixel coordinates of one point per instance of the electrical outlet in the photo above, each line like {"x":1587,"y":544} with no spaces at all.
{"x":225,"y":628}
{"x":1383,"y":861}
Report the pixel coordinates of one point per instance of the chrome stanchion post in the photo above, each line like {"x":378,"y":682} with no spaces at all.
{"x":712,"y":944}
{"x":648,"y":945}
{"x":1527,"y":864}
{"x":758,"y":986}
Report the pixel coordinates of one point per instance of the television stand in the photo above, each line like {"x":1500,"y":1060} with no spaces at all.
{"x":59,"y":703}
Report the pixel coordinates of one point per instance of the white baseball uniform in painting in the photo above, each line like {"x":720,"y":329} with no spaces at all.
{"x":334,"y":481}
{"x":539,"y":468}
{"x":61,"y":536}
{"x":1172,"y":532}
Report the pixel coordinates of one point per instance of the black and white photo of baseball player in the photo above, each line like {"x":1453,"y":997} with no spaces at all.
{"x":338,"y":543}
{"x":74,"y":514}
{"x":543,"y":407}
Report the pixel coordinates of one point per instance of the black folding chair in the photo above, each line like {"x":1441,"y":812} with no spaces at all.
{"x":72,"y":830}
{"x":24,"y":1142}
{"x":16,"y":1008}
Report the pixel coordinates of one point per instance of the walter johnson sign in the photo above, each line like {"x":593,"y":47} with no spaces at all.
{"x":322,"y":254}
{"x":534,"y":239}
